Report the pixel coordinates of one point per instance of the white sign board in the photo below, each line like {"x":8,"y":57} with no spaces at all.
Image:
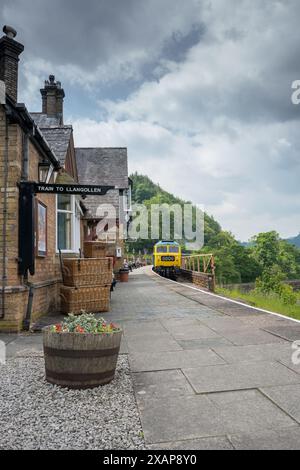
{"x":119,"y":252}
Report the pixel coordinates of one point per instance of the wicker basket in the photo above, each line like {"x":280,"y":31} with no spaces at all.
{"x":98,"y":249}
{"x":80,"y":272}
{"x":91,"y":299}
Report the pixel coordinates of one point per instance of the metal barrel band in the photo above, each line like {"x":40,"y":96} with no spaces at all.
{"x":73,"y":377}
{"x":73,"y":353}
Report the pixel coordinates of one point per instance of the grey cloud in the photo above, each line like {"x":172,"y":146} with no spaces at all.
{"x":94,"y":32}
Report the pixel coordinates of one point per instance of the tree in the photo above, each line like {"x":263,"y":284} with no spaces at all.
{"x":272,"y":252}
{"x":266,"y":249}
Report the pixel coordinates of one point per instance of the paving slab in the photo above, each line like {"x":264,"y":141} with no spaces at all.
{"x":208,"y":443}
{"x":223,"y":324}
{"x":133,"y":328}
{"x":239,"y":311}
{"x":200,"y":417}
{"x":160,"y":384}
{"x":290,"y":333}
{"x":204,"y":343}
{"x":240,"y":376}
{"x":143,"y":362}
{"x":224,"y":398}
{"x":152,"y":343}
{"x":265,"y":321}
{"x":276,"y":439}
{"x":124,"y":346}
{"x":182,"y":331}
{"x":249,"y":411}
{"x":261,"y":352}
{"x":286,"y":397}
{"x":175,"y":419}
{"x":251,"y":336}
{"x":288,"y":362}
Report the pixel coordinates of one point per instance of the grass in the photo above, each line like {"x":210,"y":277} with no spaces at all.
{"x":272,"y":303}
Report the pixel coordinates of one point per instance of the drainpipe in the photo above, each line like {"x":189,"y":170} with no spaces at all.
{"x":4,"y":240}
{"x":25,"y":157}
{"x":24,"y":177}
{"x":27,"y":319}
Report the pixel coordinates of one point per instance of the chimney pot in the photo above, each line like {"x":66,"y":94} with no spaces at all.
{"x":9,"y":31}
{"x":9,"y":59}
{"x":52,"y":98}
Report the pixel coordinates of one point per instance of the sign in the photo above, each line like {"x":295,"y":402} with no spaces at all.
{"x":119,"y":252}
{"x":27,"y":221}
{"x":81,"y":189}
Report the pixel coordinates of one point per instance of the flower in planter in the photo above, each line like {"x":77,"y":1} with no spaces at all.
{"x":85,"y":323}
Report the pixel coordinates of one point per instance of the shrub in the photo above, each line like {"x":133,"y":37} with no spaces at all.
{"x":270,"y":283}
{"x":85,"y":323}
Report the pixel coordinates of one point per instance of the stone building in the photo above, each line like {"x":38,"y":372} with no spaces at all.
{"x":108,"y":165}
{"x":38,"y":148}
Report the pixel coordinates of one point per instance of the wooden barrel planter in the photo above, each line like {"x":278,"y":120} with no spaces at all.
{"x":80,"y":360}
{"x":124,"y":275}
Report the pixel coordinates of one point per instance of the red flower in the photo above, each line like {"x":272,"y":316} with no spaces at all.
{"x":58,"y":327}
{"x":79,"y":329}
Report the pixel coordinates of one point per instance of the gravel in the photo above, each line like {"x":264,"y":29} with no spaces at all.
{"x":37,"y":415}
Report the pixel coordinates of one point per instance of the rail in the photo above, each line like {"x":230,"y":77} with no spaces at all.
{"x":203,"y":263}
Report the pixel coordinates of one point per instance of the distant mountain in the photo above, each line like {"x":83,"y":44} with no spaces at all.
{"x":294,"y":241}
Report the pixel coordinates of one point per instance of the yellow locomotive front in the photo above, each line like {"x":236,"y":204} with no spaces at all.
{"x":167,"y":258}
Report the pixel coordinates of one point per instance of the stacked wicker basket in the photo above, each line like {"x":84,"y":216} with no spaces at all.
{"x":86,"y":284}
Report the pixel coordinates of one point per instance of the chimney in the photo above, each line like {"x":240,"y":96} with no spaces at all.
{"x":53,"y":98}
{"x":9,"y":59}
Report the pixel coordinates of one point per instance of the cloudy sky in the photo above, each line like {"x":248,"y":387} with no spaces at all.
{"x":199,"y":91}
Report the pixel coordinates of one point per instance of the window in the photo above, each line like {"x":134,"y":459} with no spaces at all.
{"x":173,"y":249}
{"x":161,"y":249}
{"x":41,"y":229}
{"x":68,"y":223}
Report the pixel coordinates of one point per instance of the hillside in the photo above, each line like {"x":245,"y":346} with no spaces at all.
{"x":145,"y":191}
{"x":235,"y":262}
{"x":294,"y":241}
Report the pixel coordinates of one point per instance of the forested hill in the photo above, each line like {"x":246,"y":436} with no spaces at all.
{"x":235,"y":263}
{"x":294,"y":241}
{"x":146,"y":192}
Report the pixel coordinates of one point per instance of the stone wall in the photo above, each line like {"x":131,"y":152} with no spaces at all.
{"x":205,"y":281}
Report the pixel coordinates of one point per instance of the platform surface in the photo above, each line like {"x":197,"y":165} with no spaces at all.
{"x":207,"y":373}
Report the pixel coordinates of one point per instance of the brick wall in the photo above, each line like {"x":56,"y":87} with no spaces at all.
{"x":46,"y":293}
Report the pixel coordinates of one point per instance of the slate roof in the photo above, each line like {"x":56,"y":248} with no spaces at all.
{"x":102,"y":166}
{"x":43,"y":120}
{"x":56,"y":134}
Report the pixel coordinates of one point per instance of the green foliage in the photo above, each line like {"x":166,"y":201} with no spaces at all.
{"x":270,"y":251}
{"x":270,"y":283}
{"x":146,"y":192}
{"x":270,"y":302}
{"x":294,"y":241}
{"x":85,"y":323}
{"x":265,"y":255}
{"x":234,"y":263}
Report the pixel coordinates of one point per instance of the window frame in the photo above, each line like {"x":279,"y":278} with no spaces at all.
{"x":38,"y":253}
{"x":75,"y":226}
